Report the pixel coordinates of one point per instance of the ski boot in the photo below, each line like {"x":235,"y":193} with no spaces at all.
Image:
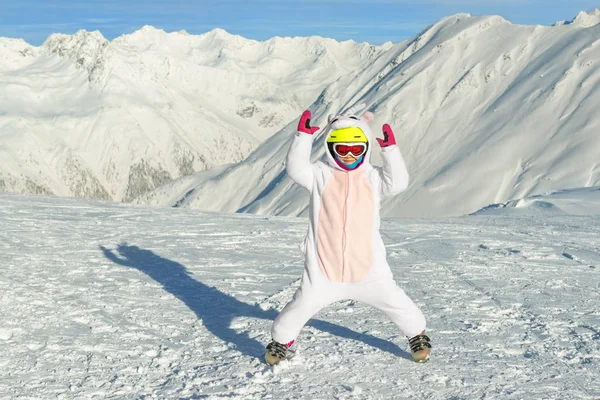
{"x":276,"y":352}
{"x":419,"y":347}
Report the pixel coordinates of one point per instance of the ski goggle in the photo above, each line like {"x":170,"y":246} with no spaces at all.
{"x":356,"y":149}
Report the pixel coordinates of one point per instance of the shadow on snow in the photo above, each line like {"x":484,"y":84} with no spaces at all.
{"x":217,"y":309}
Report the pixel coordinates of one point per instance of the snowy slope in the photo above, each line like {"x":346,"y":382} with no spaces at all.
{"x":108,"y":300}
{"x":485,"y":112}
{"x":564,"y":202}
{"x":82,"y":116}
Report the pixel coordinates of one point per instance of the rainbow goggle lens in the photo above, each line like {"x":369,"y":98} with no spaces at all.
{"x":356,"y":149}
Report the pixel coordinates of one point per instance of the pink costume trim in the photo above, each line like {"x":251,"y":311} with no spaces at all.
{"x":345,"y":228}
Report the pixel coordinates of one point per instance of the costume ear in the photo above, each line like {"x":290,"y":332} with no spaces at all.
{"x":368,"y":116}
{"x":330,"y":117}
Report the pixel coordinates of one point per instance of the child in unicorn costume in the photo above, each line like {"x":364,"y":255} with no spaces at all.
{"x":345,"y":255}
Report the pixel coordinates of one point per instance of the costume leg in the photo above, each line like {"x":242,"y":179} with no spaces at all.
{"x":307,"y":302}
{"x":387,"y":297}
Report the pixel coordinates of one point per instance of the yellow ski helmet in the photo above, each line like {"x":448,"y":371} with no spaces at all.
{"x":347,"y":135}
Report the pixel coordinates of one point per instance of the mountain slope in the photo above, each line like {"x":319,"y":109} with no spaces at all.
{"x":82,"y":116}
{"x":485,"y":111}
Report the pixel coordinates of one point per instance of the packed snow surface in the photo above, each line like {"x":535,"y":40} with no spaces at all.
{"x":105,"y":300}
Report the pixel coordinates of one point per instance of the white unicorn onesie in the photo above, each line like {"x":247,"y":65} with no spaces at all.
{"x":345,"y":255}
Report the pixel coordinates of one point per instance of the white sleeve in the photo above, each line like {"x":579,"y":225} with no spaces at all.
{"x":393,"y":174}
{"x":298,"y":164}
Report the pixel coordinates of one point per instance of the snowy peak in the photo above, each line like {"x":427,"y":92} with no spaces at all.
{"x":583,"y":19}
{"x":222,"y":34}
{"x":86,"y":49}
{"x":78,"y":43}
{"x":146,"y":37}
{"x":586,"y":20}
{"x":460,"y":22}
{"x":151,"y":38}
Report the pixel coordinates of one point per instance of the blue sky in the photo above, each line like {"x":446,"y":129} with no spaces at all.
{"x":374,"y":21}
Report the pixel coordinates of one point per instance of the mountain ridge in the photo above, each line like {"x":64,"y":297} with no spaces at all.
{"x":117,"y":119}
{"x":156,"y":105}
{"x":456,"y":94}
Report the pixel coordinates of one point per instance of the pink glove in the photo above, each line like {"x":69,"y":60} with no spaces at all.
{"x":388,"y":137}
{"x":304,"y":124}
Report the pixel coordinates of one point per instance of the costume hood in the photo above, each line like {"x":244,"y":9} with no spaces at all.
{"x":351,"y":118}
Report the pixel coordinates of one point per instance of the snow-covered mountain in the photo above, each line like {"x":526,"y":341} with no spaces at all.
{"x":485,"y":112}
{"x":82,"y":116}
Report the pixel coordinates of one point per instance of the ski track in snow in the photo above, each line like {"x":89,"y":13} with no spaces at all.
{"x":102,"y":300}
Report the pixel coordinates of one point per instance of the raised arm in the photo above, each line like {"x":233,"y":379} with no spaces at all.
{"x":393,"y":174}
{"x":298,"y":164}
